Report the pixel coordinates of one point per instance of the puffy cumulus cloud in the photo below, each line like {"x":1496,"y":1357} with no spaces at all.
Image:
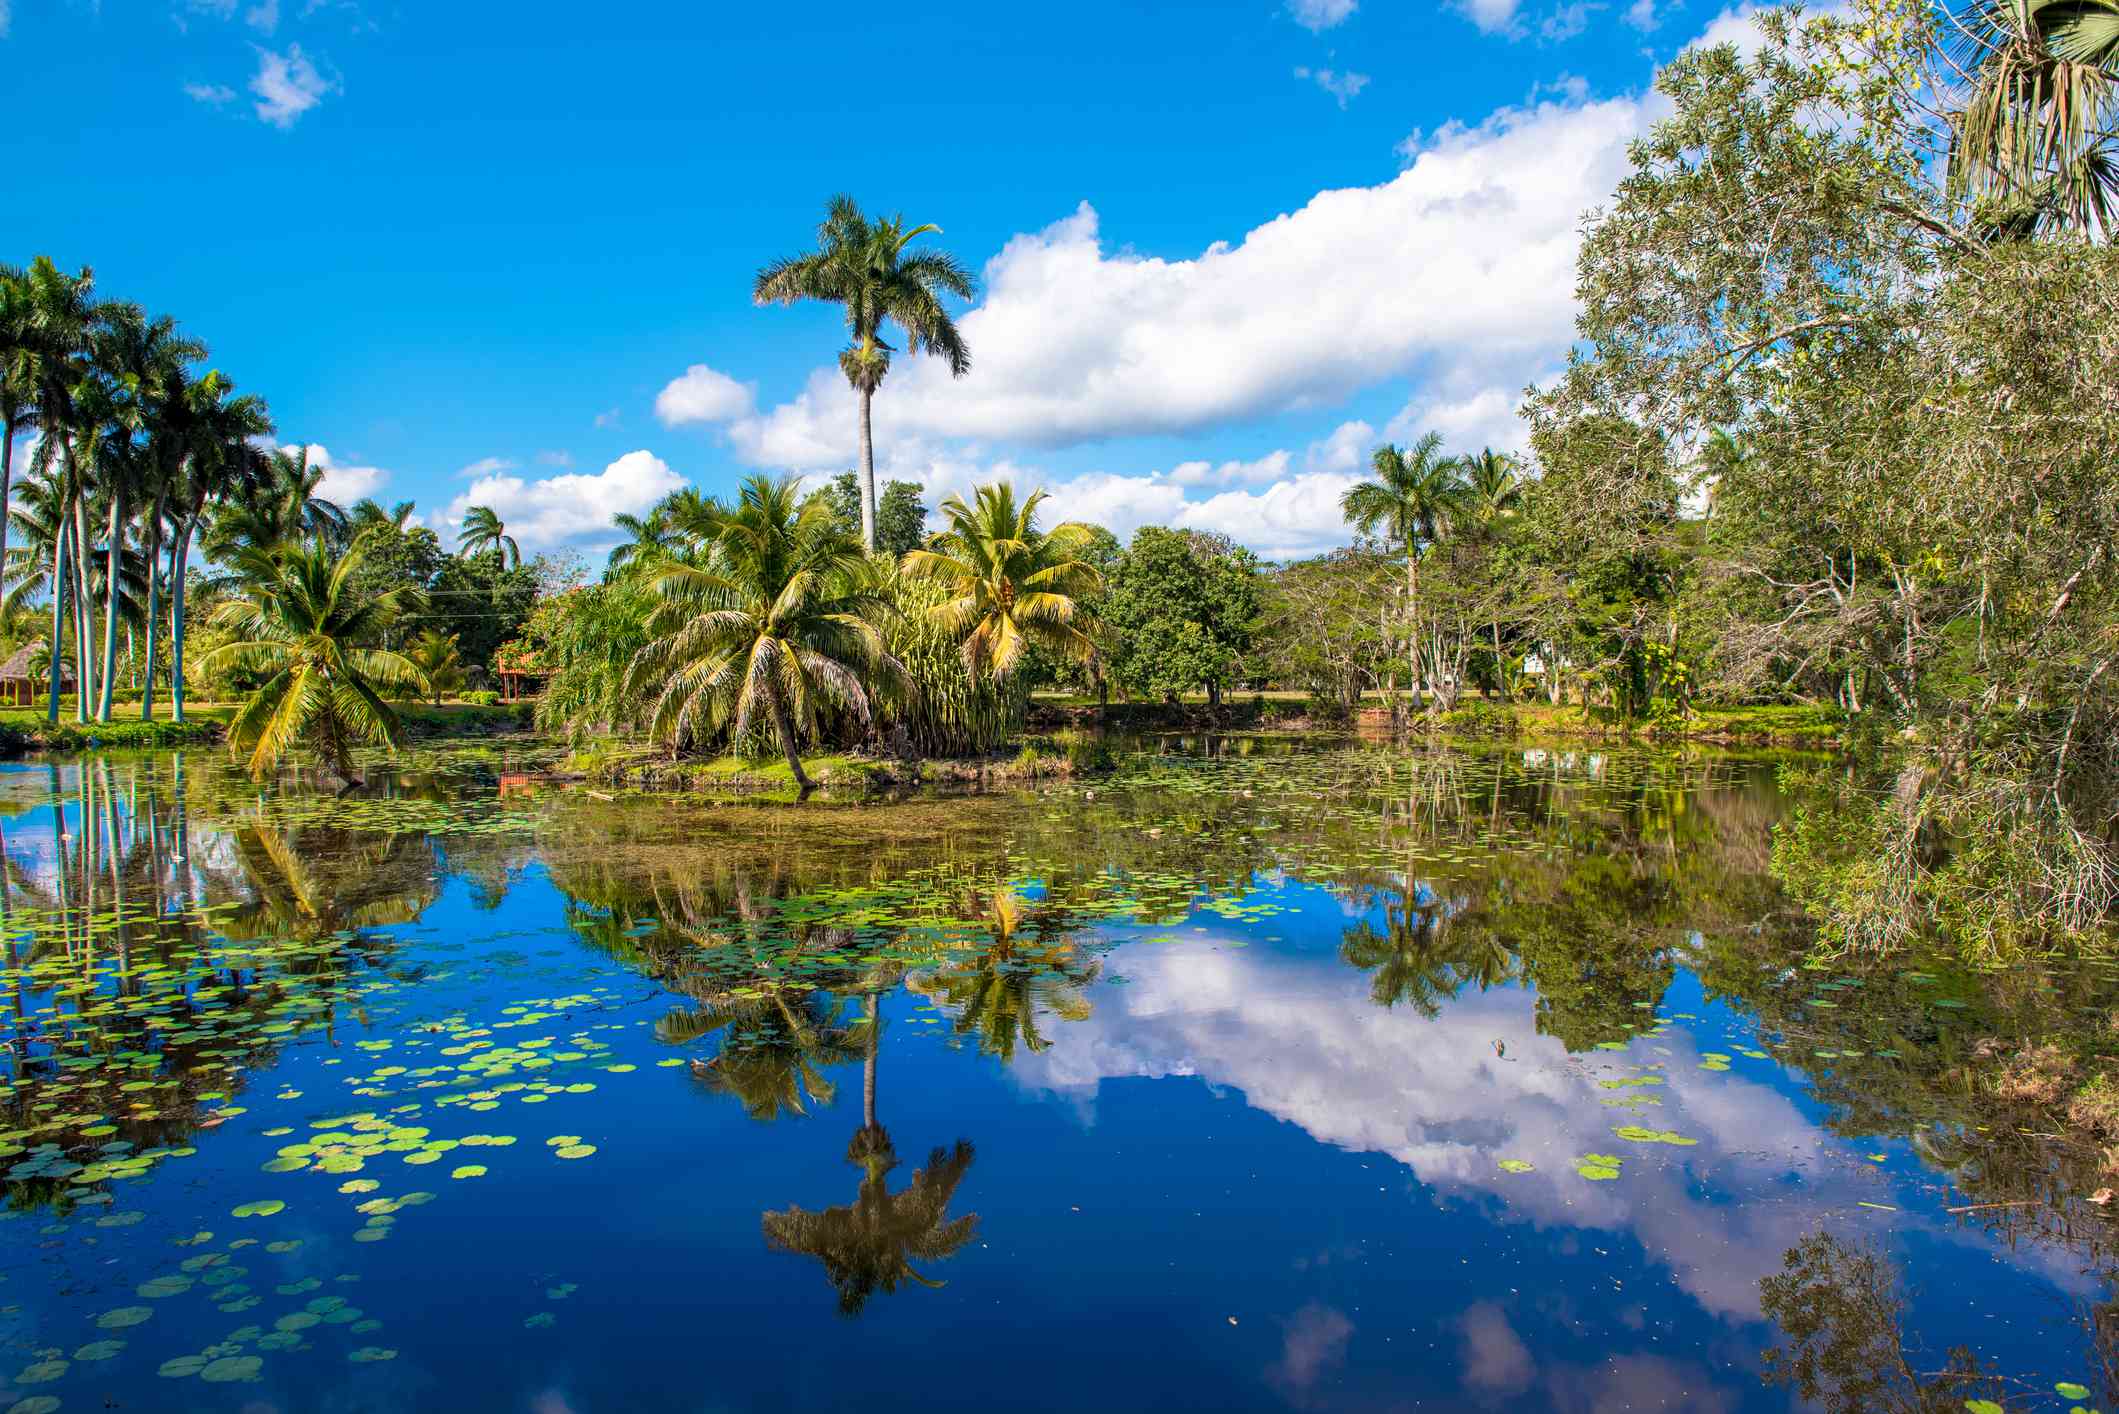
{"x":1317,"y":16}
{"x":573,"y":507}
{"x":1302,"y":1043}
{"x":1464,"y":259}
{"x":343,"y":484}
{"x":288,"y":85}
{"x":486,"y":466}
{"x":703,"y":394}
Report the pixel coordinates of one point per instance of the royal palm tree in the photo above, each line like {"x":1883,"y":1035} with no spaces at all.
{"x":1411,"y":499}
{"x":18,"y":401}
{"x":484,"y":530}
{"x":2033,"y":147}
{"x":862,"y":265}
{"x":223,"y":459}
{"x":59,"y":313}
{"x":305,"y":626}
{"x":1015,"y":586}
{"x":776,"y":627}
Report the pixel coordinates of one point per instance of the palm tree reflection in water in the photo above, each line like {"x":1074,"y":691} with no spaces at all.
{"x":870,"y":1244}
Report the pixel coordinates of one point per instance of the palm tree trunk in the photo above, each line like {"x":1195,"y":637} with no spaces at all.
{"x":868,"y":474}
{"x":58,"y":591}
{"x":7,"y":485}
{"x":111,"y":575}
{"x":179,"y":550}
{"x":868,"y":1070}
{"x":84,"y":612}
{"x":154,"y":604}
{"x":785,"y":726}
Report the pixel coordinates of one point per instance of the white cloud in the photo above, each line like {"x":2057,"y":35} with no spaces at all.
{"x":1463,"y":264}
{"x":1270,"y":467}
{"x":607,"y":418}
{"x":555,"y":457}
{"x":702,"y":394}
{"x":343,"y":484}
{"x":1567,"y":21}
{"x":288,"y":85}
{"x":5,"y":17}
{"x":1345,"y":87}
{"x":486,"y":466}
{"x":569,"y":508}
{"x":1492,"y":16}
{"x":1496,"y":1361}
{"x":264,"y":17}
{"x":210,"y":93}
{"x":1643,"y":15}
{"x":1319,"y":15}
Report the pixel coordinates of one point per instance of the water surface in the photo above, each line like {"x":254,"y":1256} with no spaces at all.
{"x":1261,"y":1075}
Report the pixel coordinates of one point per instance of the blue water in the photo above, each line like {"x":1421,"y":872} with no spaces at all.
{"x":1222,"y":1176}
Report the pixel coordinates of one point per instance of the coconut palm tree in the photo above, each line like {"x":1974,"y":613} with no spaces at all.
{"x":1015,"y":586}
{"x":861,"y":264}
{"x":774,"y":629}
{"x":440,"y":664}
{"x":484,"y":530}
{"x":998,"y":988}
{"x":2033,"y":147}
{"x":649,"y":539}
{"x":304,"y":625}
{"x":1493,"y":484}
{"x":1412,"y":498}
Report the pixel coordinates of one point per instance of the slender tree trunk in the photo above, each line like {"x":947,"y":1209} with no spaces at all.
{"x":7,"y":486}
{"x":868,"y":1070}
{"x":114,"y":564}
{"x":868,"y":474}
{"x":179,"y":551}
{"x":58,"y":592}
{"x":154,"y":603}
{"x":785,"y":726}
{"x":1412,"y":619}
{"x":84,"y":611}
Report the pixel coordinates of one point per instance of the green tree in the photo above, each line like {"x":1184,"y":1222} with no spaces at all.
{"x":1411,"y":499}
{"x":1013,"y":586}
{"x":300,"y":626}
{"x":18,"y":399}
{"x":1182,"y":607}
{"x":775,"y":630}
{"x":901,"y":516}
{"x":441,"y":668}
{"x":862,"y":265}
{"x":484,"y":530}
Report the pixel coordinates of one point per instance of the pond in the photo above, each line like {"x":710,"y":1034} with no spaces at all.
{"x":1255,"y":1075}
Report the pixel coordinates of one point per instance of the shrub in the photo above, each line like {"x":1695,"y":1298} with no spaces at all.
{"x":483,"y":697}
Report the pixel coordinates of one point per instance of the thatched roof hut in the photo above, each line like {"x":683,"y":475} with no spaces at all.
{"x":22,"y":675}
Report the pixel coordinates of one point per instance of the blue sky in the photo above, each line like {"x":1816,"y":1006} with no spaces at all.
{"x":503,"y":254}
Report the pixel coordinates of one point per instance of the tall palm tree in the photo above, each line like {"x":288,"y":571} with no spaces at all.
{"x":1411,"y":499}
{"x":2034,"y":145}
{"x":224,"y":459}
{"x":367,"y":513}
{"x":776,"y":627}
{"x":484,"y":530}
{"x":305,"y":625}
{"x":861,"y":264}
{"x":148,"y":360}
{"x":1015,"y":586}
{"x":18,"y":402}
{"x":59,"y":313}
